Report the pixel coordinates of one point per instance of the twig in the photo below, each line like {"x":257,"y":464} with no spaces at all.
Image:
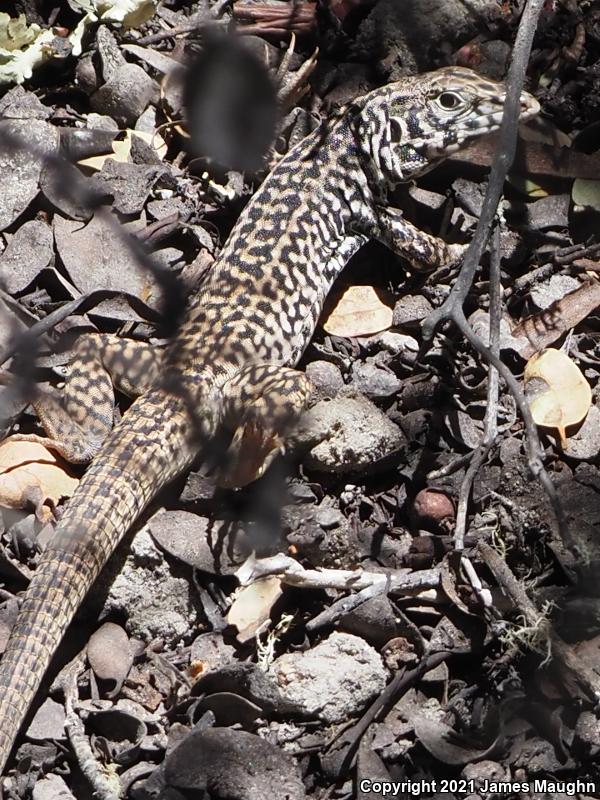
{"x":169,"y":33}
{"x":105,"y":784}
{"x":293,"y":573}
{"x":491,"y":415}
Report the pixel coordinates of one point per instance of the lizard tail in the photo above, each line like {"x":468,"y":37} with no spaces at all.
{"x":147,"y":450}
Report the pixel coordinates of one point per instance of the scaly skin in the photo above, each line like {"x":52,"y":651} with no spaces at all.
{"x":231,"y":362}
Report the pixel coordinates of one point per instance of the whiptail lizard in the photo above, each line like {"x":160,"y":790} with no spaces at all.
{"x":231,"y":364}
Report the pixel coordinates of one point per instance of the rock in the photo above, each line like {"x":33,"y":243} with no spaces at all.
{"x":587,"y":732}
{"x":555,"y":288}
{"x":52,"y":787}
{"x":399,"y":36}
{"x":213,"y":546}
{"x":333,"y":681}
{"x":432,"y":200}
{"x":48,"y":722}
{"x":126,"y":95}
{"x":28,"y":252}
{"x":373,"y":381}
{"x":326,"y":377}
{"x":95,"y":258}
{"x":410,"y":309}
{"x":23,"y":165}
{"x":374,"y":621}
{"x":431,"y":508}
{"x":129,"y":184}
{"x":549,"y":212}
{"x":346,"y":435}
{"x":157,"y":602}
{"x":585,"y":442}
{"x":233,"y":764}
{"x":21,"y":104}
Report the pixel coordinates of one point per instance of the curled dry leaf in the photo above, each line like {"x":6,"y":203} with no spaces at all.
{"x":359,"y":312}
{"x":32,"y":475}
{"x":557,"y":392}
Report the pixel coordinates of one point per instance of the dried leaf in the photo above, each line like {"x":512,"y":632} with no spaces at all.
{"x":359,"y":312}
{"x":557,"y":392}
{"x":32,"y":475}
{"x":252,"y":607}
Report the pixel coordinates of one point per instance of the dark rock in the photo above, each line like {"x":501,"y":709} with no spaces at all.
{"x":126,"y":95}
{"x":233,"y":764}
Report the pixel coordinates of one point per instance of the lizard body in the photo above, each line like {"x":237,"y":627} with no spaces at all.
{"x":231,"y":362}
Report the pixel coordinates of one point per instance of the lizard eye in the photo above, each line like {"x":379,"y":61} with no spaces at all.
{"x":449,"y":101}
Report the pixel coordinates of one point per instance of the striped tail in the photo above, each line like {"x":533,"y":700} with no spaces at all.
{"x":146,"y":451}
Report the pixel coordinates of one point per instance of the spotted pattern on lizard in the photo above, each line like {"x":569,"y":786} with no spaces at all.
{"x":232,"y":361}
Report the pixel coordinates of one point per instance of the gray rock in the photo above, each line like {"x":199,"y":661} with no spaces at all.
{"x":333,"y":681}
{"x":48,"y":722}
{"x":126,"y":95}
{"x":21,"y":104}
{"x":213,"y":546}
{"x":100,"y":122}
{"x":156,"y":602}
{"x":374,"y":621}
{"x":346,"y":435}
{"x":129,"y":184}
{"x":432,"y":200}
{"x":109,"y":52}
{"x":373,"y":381}
{"x":555,"y":288}
{"x":95,"y":257}
{"x":410,"y":309}
{"x":326,"y":377}
{"x":549,"y":212}
{"x":52,"y":787}
{"x":407,"y":32}
{"x":469,"y":196}
{"x":233,"y":764}
{"x":28,"y":252}
{"x":23,"y":165}
{"x":390,"y":342}
{"x":585,"y":442}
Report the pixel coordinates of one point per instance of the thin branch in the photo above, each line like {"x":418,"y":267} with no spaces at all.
{"x":292,"y":572}
{"x":490,"y":431}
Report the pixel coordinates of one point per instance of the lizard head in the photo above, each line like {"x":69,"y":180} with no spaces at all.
{"x":408,"y":127}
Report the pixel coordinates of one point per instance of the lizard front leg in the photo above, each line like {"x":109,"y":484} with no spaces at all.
{"x":78,"y":420}
{"x":261,"y":403}
{"x":424,"y":251}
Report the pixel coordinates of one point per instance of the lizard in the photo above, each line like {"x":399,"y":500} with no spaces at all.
{"x":232,"y":363}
